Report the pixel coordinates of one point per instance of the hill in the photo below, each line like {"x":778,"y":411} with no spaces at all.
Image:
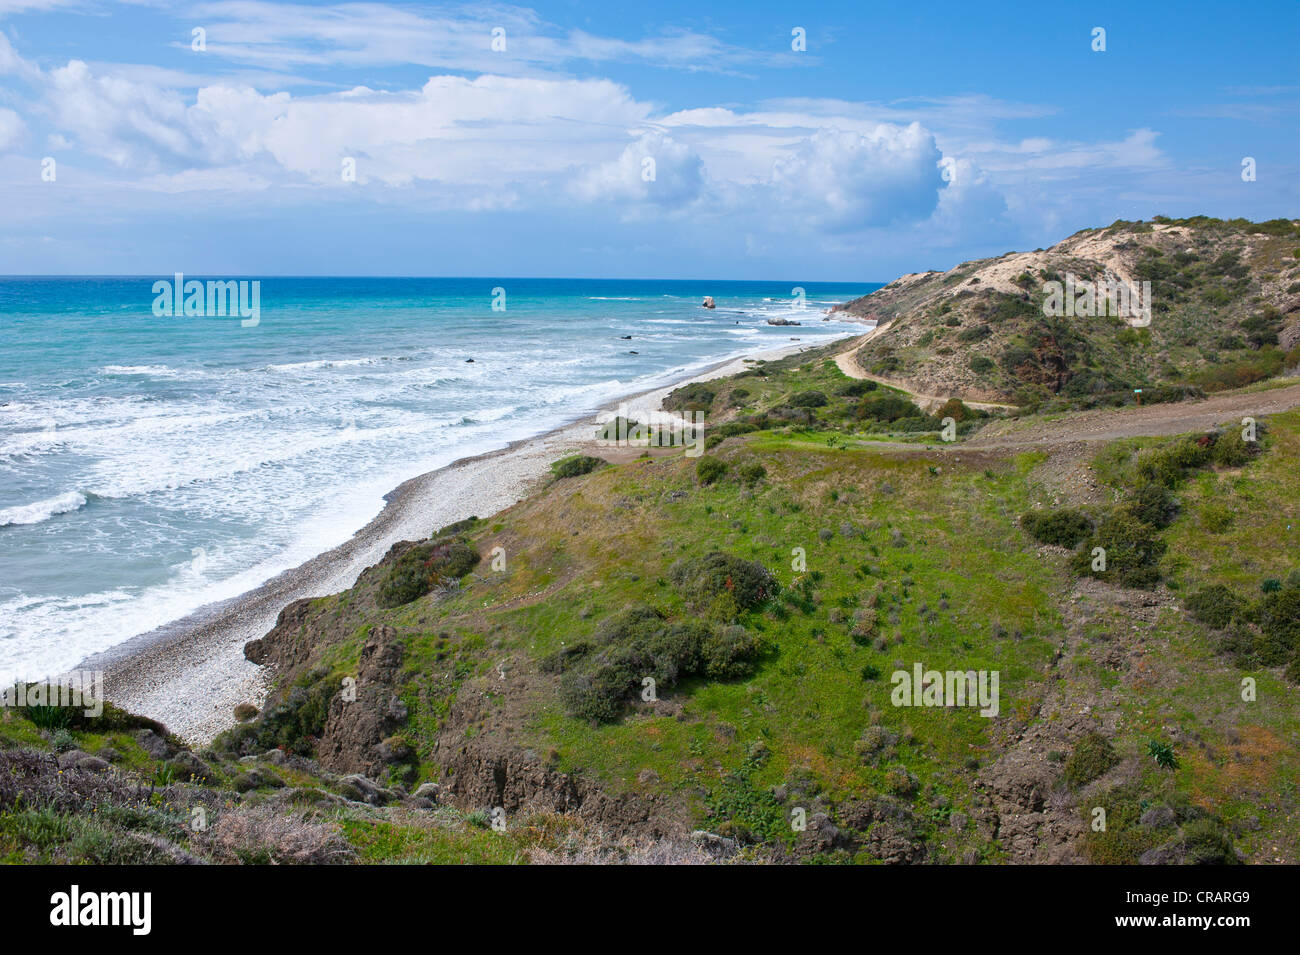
{"x":1223,"y":310}
{"x":483,"y":696}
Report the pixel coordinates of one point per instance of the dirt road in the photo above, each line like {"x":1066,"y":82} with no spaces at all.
{"x":848,"y":363}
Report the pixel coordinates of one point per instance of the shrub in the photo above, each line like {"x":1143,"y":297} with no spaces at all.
{"x":808,"y":399}
{"x":295,"y":721}
{"x":1168,"y":465}
{"x":640,"y":642}
{"x":975,"y":333}
{"x":694,"y":397}
{"x":856,"y":389}
{"x":716,"y":574}
{"x":1152,"y":504}
{"x":1215,"y":606}
{"x":954,"y":408}
{"x":1092,"y":755}
{"x":424,"y":567}
{"x":728,"y":653}
{"x":710,"y":470}
{"x":752,"y":473}
{"x":1231,"y":450}
{"x":597,"y":694}
{"x":1206,"y":843}
{"x":459,"y":527}
{"x":1266,"y":363}
{"x":1064,"y":527}
{"x":1279,"y":624}
{"x":1133,"y":549}
{"x":576,"y":466}
{"x":618,"y":427}
{"x":981,"y":364}
{"x":888,"y":407}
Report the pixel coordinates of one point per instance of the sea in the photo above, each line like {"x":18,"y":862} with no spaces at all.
{"x":152,"y":463}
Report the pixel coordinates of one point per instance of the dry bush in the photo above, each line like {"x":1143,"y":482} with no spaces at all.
{"x":268,"y":835}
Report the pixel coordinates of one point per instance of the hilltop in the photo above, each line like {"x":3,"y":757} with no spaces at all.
{"x":1224,"y":311}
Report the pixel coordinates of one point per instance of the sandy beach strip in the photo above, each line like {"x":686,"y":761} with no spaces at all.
{"x":190,"y":674}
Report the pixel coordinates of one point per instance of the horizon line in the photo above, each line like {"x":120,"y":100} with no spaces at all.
{"x":500,"y":278}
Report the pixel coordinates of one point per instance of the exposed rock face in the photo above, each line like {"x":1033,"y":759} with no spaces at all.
{"x":355,"y":730}
{"x":283,"y":647}
{"x":484,"y":773}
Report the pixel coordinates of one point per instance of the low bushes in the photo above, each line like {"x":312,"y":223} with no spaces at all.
{"x":1215,"y":606}
{"x":701,"y":579}
{"x":1131,"y":548}
{"x":424,"y":568}
{"x":576,"y":466}
{"x":641,"y":643}
{"x":1092,"y":755}
{"x":808,"y":399}
{"x":887,"y":407}
{"x":856,"y":389}
{"x":1064,"y":527}
{"x":710,"y":470}
{"x":694,"y":397}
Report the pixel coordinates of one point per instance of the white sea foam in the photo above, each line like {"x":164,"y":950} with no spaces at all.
{"x":42,"y":510}
{"x":261,"y":456}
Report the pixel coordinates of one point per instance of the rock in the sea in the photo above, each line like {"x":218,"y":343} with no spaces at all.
{"x":708,"y":301}
{"x":781,"y":321}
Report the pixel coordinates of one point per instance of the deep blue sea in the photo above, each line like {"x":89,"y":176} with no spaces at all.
{"x":151,"y":465}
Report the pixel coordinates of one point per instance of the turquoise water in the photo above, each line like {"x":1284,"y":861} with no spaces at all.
{"x":152,"y":465}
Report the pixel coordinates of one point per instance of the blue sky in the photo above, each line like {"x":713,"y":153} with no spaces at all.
{"x":625,"y":140}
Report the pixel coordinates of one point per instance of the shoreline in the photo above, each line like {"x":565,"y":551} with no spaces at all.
{"x":189,"y":674}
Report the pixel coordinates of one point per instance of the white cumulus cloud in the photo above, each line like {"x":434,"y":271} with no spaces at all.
{"x":846,"y":181}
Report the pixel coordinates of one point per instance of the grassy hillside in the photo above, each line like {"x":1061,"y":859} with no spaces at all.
{"x":771,"y":588}
{"x":1225,"y":311}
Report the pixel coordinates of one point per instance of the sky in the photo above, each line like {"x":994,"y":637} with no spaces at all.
{"x":741,"y":140}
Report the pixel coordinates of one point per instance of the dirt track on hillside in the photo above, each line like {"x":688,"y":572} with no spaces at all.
{"x":1108,"y":424}
{"x":848,"y":363}
{"x":1100,"y":424}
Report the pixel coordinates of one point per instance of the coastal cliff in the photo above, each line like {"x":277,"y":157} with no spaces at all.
{"x":661,"y":656}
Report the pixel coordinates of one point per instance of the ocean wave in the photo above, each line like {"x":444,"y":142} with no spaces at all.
{"x":325,"y":363}
{"x":42,"y":510}
{"x":153,"y":371}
